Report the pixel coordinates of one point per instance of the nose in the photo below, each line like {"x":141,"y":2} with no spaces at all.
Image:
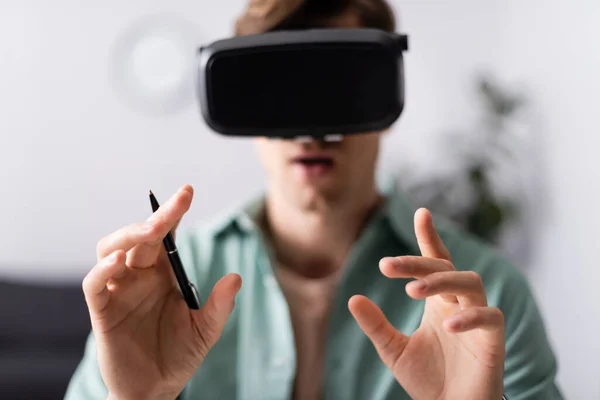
{"x":317,"y":144}
{"x":328,"y":142}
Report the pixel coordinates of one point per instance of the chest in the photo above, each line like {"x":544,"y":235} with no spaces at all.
{"x":256,"y":356}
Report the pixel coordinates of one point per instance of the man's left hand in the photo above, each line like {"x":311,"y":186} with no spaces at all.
{"x":458,"y":350}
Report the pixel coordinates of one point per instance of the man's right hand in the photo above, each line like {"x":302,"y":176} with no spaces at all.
{"x":149,"y":343}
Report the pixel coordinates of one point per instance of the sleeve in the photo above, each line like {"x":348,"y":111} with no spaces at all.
{"x":530,"y":364}
{"x":86,"y":382}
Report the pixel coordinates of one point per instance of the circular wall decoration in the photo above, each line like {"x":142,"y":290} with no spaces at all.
{"x":152,"y":65}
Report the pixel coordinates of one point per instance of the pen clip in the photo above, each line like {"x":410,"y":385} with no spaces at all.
{"x":194,"y":303}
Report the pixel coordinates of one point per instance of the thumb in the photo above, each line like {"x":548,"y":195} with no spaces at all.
{"x":211,"y":318}
{"x":388,"y":341}
{"x":430,"y":243}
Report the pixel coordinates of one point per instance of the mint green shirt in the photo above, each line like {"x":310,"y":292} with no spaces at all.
{"x":255,"y":358}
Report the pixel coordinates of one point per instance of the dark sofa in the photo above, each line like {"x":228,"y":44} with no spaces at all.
{"x":43,"y":328}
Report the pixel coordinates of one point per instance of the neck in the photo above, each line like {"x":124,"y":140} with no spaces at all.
{"x":314,"y":243}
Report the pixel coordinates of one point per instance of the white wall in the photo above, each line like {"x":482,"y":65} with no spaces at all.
{"x":553,"y":46}
{"x":77,"y":163}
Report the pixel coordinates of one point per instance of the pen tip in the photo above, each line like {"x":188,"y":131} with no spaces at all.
{"x":151,"y":192}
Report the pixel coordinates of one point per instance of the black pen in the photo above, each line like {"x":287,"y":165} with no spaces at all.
{"x":188,"y":290}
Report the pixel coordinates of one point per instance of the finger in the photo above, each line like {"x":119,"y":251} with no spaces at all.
{"x":413,"y":266}
{"x":388,"y":341}
{"x":486,"y":318}
{"x":173,"y":210}
{"x":465,"y":285}
{"x":117,"y":278}
{"x":416,"y":267}
{"x":211,"y":318}
{"x":95,"y":283}
{"x":150,"y":232}
{"x":146,"y":254}
{"x":127,"y":237}
{"x":430,"y":243}
{"x":139,"y":291}
{"x":167,"y":216}
{"x":174,"y":228}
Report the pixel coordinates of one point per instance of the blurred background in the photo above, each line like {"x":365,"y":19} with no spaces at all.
{"x":500,"y":133}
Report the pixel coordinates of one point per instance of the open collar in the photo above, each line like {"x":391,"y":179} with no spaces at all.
{"x":397,"y":210}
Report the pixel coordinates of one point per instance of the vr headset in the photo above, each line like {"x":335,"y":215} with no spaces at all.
{"x":317,"y":83}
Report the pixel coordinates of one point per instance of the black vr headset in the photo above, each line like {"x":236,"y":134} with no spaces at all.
{"x":316,"y":83}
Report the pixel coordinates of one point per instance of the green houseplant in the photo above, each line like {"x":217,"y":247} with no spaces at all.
{"x":471,"y":195}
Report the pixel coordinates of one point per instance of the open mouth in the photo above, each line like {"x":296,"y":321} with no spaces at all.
{"x":314,"y":161}
{"x":314,"y":165}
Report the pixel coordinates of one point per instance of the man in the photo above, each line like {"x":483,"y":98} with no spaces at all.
{"x":328,"y":307}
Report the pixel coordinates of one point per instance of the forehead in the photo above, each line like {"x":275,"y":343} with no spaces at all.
{"x":348,"y":19}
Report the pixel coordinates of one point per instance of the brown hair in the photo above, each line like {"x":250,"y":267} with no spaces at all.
{"x":270,"y":15}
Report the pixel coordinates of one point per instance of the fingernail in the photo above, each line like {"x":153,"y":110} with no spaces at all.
{"x":419,"y":285}
{"x":187,"y":189}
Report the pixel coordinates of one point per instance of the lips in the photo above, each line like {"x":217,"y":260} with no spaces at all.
{"x":313,"y":165}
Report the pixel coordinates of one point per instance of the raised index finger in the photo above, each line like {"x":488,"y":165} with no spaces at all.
{"x":152,"y":231}
{"x":430,"y":243}
{"x":173,"y":210}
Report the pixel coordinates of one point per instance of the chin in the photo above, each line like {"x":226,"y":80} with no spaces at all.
{"x":318,"y":197}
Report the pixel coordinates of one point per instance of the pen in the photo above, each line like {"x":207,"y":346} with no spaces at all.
{"x":187,"y":288}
